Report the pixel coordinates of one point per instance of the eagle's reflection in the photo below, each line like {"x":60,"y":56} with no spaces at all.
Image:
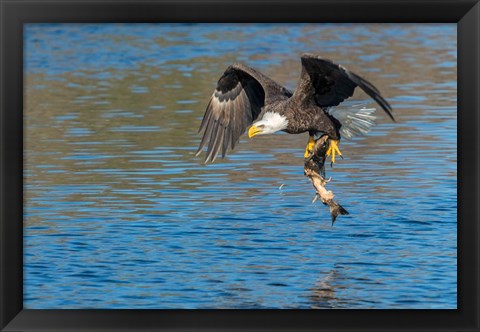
{"x":323,"y":293}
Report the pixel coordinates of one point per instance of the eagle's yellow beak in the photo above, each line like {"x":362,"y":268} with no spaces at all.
{"x":254,"y":130}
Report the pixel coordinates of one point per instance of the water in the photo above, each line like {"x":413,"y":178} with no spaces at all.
{"x":120,"y":214}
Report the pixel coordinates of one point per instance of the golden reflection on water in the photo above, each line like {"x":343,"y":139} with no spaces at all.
{"x":109,"y":111}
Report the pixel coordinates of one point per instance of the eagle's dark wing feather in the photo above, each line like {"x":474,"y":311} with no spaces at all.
{"x":330,"y":84}
{"x":237,"y":101}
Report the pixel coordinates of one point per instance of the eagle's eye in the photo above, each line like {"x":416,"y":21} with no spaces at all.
{"x":261,"y":126}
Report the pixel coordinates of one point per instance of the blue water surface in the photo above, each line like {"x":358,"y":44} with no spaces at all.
{"x":119,"y":213}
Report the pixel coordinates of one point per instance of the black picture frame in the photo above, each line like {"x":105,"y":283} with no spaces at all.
{"x":14,"y":13}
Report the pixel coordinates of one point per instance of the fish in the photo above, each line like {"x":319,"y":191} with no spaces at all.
{"x":314,"y":169}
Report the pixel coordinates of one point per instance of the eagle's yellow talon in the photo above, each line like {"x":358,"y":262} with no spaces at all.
{"x":333,"y":150}
{"x":310,"y":146}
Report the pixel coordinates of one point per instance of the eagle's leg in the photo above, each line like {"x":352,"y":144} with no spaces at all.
{"x":310,"y":146}
{"x":333,"y":149}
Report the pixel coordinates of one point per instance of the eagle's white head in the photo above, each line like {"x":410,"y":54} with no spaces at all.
{"x":269,"y":124}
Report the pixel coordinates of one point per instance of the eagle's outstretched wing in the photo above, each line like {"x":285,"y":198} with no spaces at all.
{"x":237,"y":101}
{"x":333,"y":83}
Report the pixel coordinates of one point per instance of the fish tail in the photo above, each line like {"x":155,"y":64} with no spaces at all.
{"x":336,"y":210}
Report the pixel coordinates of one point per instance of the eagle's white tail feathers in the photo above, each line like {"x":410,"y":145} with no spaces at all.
{"x":356,"y":120}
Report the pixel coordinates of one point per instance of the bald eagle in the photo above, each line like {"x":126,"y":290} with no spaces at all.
{"x":245,"y":97}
